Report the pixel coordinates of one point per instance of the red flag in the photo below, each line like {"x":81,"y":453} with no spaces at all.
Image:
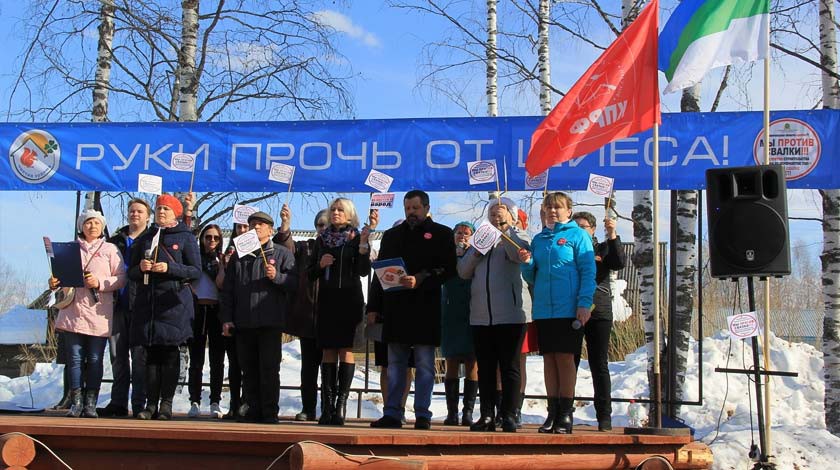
{"x":617,"y":97}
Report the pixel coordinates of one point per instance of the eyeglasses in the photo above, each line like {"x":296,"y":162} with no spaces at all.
{"x":212,"y":238}
{"x":584,"y":226}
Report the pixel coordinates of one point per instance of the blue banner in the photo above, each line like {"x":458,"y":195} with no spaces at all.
{"x":430,"y":154}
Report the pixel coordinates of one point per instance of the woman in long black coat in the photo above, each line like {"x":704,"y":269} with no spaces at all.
{"x":163,"y":308}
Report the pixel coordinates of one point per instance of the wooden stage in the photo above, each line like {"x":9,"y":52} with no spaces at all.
{"x":184,"y":444}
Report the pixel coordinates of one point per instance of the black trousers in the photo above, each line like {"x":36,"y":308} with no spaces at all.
{"x":260,"y":352}
{"x":234,"y":373}
{"x":128,"y":364}
{"x":597,"y":336}
{"x":207,"y":326}
{"x":310,"y":362}
{"x":498,"y":346}
{"x":162,"y":367}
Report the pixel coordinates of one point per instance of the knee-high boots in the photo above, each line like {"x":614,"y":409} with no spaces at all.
{"x":329,"y":373}
{"x":346,"y":371}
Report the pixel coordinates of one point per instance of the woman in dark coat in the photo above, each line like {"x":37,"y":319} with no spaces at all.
{"x":341,"y":257}
{"x":163,"y":308}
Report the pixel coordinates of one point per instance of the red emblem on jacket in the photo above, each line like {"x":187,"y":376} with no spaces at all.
{"x":561,"y":241}
{"x":175,"y":246}
{"x":427,"y":236}
{"x":271,"y":261}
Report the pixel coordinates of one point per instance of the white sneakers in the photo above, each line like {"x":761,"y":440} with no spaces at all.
{"x":216,"y":411}
{"x":194,"y":410}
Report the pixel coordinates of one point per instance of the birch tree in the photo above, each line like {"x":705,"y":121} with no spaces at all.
{"x":543,"y":57}
{"x":830,"y":256}
{"x":492,"y":61}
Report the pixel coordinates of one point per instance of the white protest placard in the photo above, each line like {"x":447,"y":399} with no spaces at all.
{"x":379,"y":181}
{"x":281,"y":173}
{"x":241,"y":212}
{"x":151,"y":184}
{"x":381,"y":200}
{"x":182,"y":161}
{"x":536,"y":182}
{"x":482,"y":171}
{"x":246,"y":243}
{"x":156,"y":240}
{"x":743,"y":325}
{"x":600,"y":185}
{"x":485,"y":237}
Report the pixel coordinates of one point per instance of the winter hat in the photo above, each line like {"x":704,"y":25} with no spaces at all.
{"x":465,"y":224}
{"x":261,"y":216}
{"x":509,"y":204}
{"x":89,"y":214}
{"x":171,"y":202}
{"x":523,"y":219}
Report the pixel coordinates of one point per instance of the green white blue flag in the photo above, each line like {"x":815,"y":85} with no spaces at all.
{"x":704,"y":34}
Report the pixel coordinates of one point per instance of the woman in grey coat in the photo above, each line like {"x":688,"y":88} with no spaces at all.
{"x":499,"y":310}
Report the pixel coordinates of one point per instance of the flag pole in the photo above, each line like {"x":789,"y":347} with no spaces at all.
{"x":192,"y":177}
{"x":657,"y":377}
{"x":289,"y":192}
{"x":767,"y":281}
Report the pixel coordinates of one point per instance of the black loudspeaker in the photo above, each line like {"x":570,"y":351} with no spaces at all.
{"x":748,"y":224}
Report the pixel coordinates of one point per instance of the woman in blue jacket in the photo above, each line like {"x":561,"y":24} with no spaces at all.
{"x":561,"y":267}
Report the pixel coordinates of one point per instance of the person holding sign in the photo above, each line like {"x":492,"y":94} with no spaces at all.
{"x":86,"y":322}
{"x":456,"y":343}
{"x":254,"y":300}
{"x":163,"y":263}
{"x":561,"y":267}
{"x":341,"y":257}
{"x":609,"y":256}
{"x":412,"y":314}
{"x":499,"y":309}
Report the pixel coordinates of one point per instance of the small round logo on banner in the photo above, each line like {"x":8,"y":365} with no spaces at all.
{"x":484,"y":237}
{"x":793,"y":144}
{"x":743,"y":325}
{"x":35,"y":156}
{"x":537,"y":181}
{"x":600,"y":185}
{"x":483,"y":172}
{"x":427,"y":236}
{"x":561,"y":241}
{"x":183,"y":161}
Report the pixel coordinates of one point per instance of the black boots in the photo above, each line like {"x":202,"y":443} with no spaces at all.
{"x":308,"y":396}
{"x":517,"y":410}
{"x":329,"y":373}
{"x":487,"y":421}
{"x":64,"y":403}
{"x":603,"y":411}
{"x":470,"y":391}
{"x":346,"y":371}
{"x":548,"y":425}
{"x":452,"y":396}
{"x":563,"y":419}
{"x":75,"y":403}
{"x":91,"y":397}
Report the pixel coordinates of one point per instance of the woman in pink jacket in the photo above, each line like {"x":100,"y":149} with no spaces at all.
{"x":87,"y":320}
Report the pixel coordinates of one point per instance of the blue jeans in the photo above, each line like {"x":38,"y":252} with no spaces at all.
{"x":424,"y":378}
{"x":87,"y":349}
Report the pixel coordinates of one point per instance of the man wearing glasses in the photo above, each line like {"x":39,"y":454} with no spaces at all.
{"x":609,"y":256}
{"x":254,"y":302}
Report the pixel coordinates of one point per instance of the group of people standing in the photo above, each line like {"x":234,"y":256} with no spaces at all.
{"x":485,"y":310}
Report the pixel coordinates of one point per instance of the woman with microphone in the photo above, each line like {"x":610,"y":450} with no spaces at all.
{"x":164,"y":303}
{"x":561,"y":267}
{"x":86,"y":321}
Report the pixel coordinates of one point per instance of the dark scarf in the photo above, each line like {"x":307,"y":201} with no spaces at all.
{"x":334,"y":238}
{"x":210,"y":263}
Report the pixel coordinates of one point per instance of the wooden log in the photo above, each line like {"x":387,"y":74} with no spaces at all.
{"x":312,"y":456}
{"x":17,"y":450}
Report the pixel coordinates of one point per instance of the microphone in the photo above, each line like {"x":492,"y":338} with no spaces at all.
{"x":327,"y":274}
{"x":93,"y":292}
{"x":147,"y":255}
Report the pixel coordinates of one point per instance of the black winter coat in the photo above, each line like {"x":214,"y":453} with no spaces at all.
{"x":163,"y":309}
{"x":413,"y":316}
{"x":250,"y":299}
{"x":609,"y":256}
{"x":346,"y":269}
{"x":125,"y":303}
{"x":300,"y":318}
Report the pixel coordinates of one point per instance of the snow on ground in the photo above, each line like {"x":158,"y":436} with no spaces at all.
{"x":799,"y":439}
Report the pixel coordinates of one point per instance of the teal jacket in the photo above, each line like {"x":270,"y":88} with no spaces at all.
{"x":561,"y":270}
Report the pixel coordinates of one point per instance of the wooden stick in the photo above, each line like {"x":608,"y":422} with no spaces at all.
{"x":545,"y":189}
{"x":511,"y":240}
{"x":262,"y":252}
{"x":289,"y":193}
{"x":192,"y":177}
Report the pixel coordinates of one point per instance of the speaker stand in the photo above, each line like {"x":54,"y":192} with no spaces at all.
{"x":763,"y":460}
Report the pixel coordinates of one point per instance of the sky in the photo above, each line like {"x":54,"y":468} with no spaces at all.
{"x":385,"y":48}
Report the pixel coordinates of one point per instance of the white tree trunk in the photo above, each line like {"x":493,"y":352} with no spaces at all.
{"x":104,"y":55}
{"x":831,"y":232}
{"x":543,"y":57}
{"x":492,"y":68}
{"x":186,"y":60}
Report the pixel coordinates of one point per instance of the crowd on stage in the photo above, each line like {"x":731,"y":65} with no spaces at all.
{"x":154,"y":295}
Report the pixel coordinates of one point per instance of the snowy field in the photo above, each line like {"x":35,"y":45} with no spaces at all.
{"x":799,"y":438}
